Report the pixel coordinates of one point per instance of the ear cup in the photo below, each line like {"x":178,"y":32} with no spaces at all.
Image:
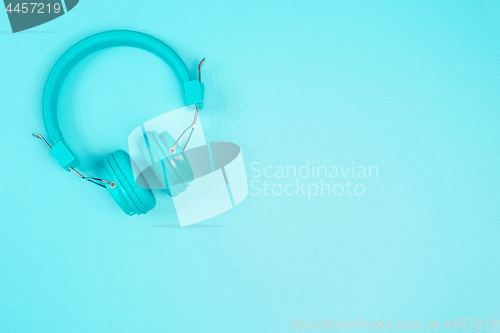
{"x":176,"y":184}
{"x":162,"y":170}
{"x":182,"y":165}
{"x":131,"y":198}
{"x":171,"y":170}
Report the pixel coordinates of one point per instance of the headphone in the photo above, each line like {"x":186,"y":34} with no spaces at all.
{"x":171,"y":167}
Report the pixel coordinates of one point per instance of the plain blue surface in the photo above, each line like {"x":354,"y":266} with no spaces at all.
{"x":411,"y":87}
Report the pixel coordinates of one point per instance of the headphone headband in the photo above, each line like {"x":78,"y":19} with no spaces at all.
{"x":193,"y":89}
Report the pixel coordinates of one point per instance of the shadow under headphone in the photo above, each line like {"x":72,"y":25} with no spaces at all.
{"x":117,"y":174}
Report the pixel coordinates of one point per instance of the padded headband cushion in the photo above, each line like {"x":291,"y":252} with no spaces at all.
{"x":141,"y":200}
{"x":193,"y":89}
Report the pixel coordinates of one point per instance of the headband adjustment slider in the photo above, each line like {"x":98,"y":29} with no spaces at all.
{"x":63,"y":155}
{"x":68,"y":161}
{"x":194,"y":90}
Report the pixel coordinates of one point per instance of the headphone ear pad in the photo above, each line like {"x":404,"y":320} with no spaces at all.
{"x":131,"y":198}
{"x":183,"y":167}
{"x":172,"y":171}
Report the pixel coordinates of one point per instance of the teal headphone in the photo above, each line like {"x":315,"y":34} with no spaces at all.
{"x":117,"y":175}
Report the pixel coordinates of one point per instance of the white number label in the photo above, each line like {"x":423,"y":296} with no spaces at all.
{"x":34,"y":7}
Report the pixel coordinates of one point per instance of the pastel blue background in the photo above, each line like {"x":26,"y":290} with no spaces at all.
{"x":409,"y":86}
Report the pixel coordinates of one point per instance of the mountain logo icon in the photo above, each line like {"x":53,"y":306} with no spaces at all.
{"x":27,"y":14}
